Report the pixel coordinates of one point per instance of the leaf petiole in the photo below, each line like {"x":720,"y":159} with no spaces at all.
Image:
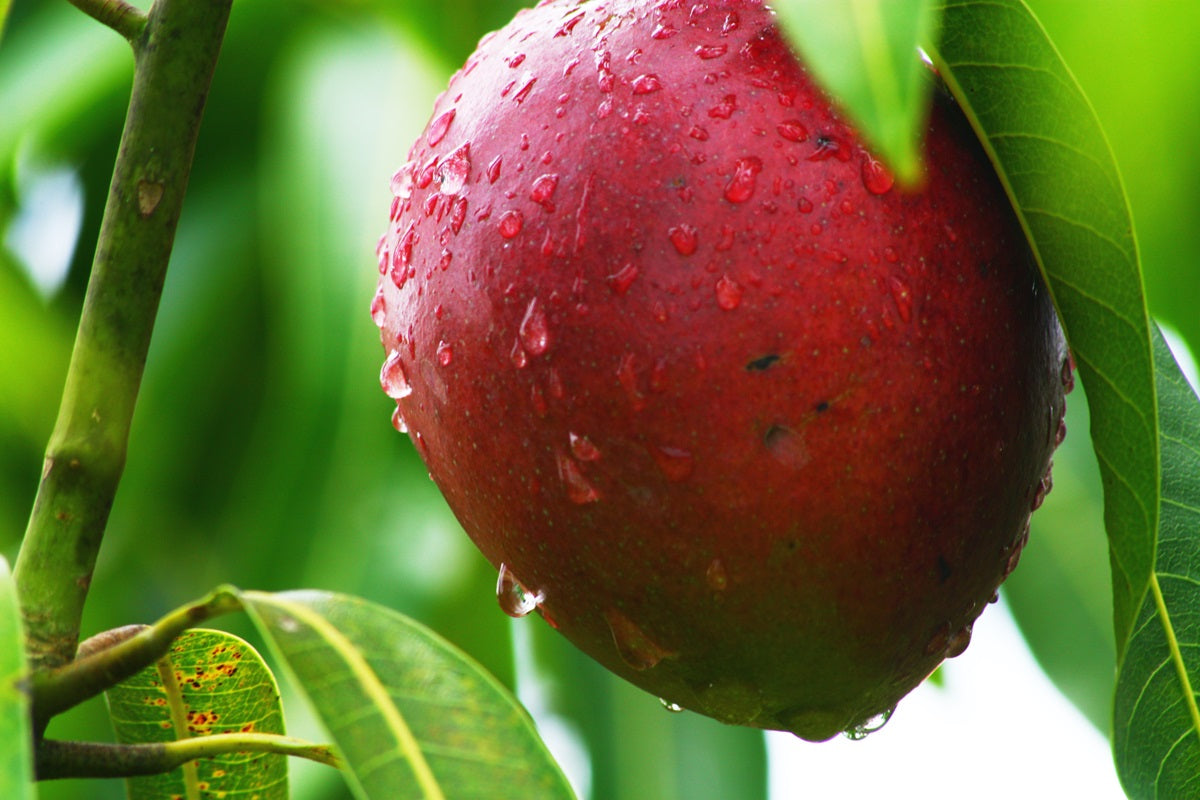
{"x":58,"y":759}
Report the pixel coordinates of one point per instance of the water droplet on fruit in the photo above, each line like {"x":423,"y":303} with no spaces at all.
{"x":534,"y":332}
{"x":398,"y":420}
{"x":959,"y":642}
{"x":709,"y":51}
{"x":902,"y":296}
{"x":402,"y":181}
{"x":568,"y":26}
{"x":543,"y":189}
{"x":439,"y":127}
{"x":627,"y":377}
{"x":458,"y":214}
{"x":715,"y":576}
{"x":1041,"y":490}
{"x":493,"y":169}
{"x":792,"y":130}
{"x":452,"y":173}
{"x":741,"y":185}
{"x":579,"y":490}
{"x":645,"y":84}
{"x":378,"y":308}
{"x":674,"y":708}
{"x":787,"y":446}
{"x":527,"y":82}
{"x":876,"y":176}
{"x":582,"y":448}
{"x":869,"y":726}
{"x":392,"y":378}
{"x":511,"y":224}
{"x":635,"y":648}
{"x":620,"y":281}
{"x":676,"y":463}
{"x":663,"y":32}
{"x":937,"y":642}
{"x":445,"y":353}
{"x":518,"y":355}
{"x":684,"y":239}
{"x":515,"y":600}
{"x":725,"y":108}
{"x":1068,"y":374}
{"x":729,"y":293}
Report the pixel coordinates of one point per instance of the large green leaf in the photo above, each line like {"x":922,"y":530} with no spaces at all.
{"x":210,"y":682}
{"x":1052,"y":156}
{"x":412,"y":716}
{"x":865,"y":54}
{"x":16,"y":761}
{"x":1156,"y":737}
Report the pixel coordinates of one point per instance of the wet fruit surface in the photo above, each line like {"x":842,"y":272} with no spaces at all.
{"x":752,"y":425}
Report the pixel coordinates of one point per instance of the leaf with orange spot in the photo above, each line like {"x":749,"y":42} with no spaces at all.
{"x":210,"y":682}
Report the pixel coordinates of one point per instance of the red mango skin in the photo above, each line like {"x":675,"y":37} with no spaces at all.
{"x":762,"y":428}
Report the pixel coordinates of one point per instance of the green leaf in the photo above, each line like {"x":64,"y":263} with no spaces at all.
{"x":210,"y":682}
{"x":1052,"y":156}
{"x":1156,"y":738}
{"x":16,"y":760}
{"x":412,"y":716}
{"x":864,"y":52}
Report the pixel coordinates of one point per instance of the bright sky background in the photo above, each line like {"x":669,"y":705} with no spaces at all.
{"x":997,"y":728}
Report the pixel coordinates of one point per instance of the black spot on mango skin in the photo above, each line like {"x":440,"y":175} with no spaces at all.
{"x":762,"y":363}
{"x":944,"y":570}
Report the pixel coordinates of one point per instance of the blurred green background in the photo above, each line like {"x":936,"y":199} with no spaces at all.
{"x":262,"y":452}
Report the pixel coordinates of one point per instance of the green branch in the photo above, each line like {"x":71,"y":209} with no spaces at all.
{"x":56,"y":759}
{"x":175,"y":57}
{"x":127,"y":20}
{"x":111,"y":657}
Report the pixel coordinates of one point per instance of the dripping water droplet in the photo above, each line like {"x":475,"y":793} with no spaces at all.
{"x":378,"y":308}
{"x":534,"y":332}
{"x":392,"y":378}
{"x":635,"y":648}
{"x":515,"y":600}
{"x":869,"y":726}
{"x":958,"y":642}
